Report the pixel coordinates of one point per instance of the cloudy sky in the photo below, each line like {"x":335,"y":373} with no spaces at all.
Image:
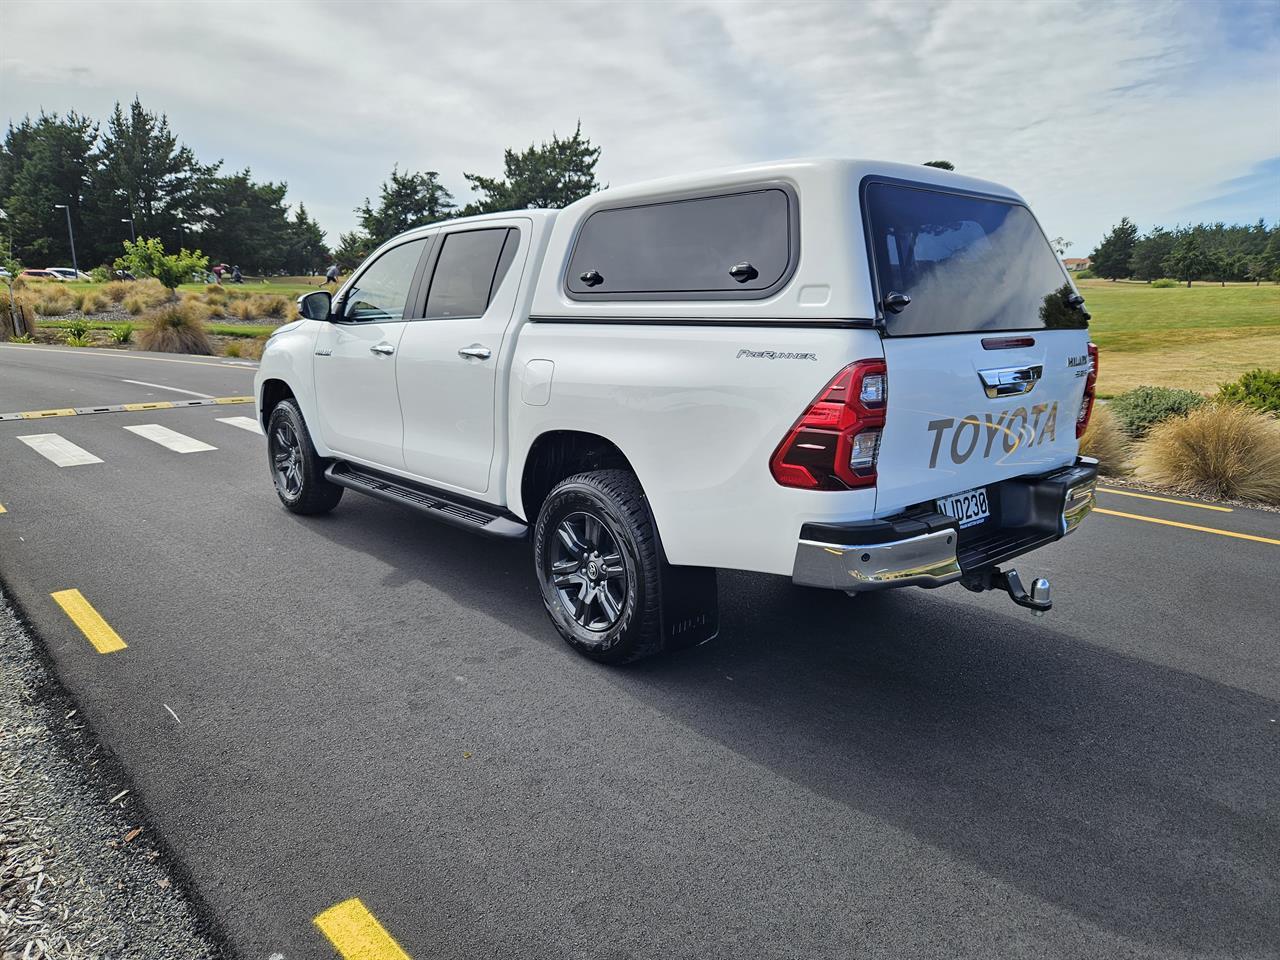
{"x":1164,"y":112}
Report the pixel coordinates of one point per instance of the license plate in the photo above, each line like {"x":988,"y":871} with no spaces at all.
{"x":969,"y":507}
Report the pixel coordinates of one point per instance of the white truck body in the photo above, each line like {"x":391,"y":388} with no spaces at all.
{"x":694,"y":390}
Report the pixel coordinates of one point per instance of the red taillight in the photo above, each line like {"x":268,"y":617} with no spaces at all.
{"x":1090,"y":389}
{"x":835,"y":443}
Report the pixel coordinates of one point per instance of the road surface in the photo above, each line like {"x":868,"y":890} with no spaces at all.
{"x":371,"y":711}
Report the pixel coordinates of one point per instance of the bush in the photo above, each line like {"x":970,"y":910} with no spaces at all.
{"x":122,"y":333}
{"x":1142,"y":408}
{"x":117,"y":290}
{"x":53,"y":303}
{"x":1259,"y":389}
{"x":78,"y":328}
{"x":1105,"y":440}
{"x":100,"y":274}
{"x":176,"y":327}
{"x":1084,"y":274}
{"x":146,"y":258}
{"x":1164,"y":283}
{"x":81,"y":340}
{"x":23,"y":338}
{"x":1218,"y":450}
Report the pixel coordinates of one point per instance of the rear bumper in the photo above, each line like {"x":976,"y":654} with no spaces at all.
{"x":924,"y":548}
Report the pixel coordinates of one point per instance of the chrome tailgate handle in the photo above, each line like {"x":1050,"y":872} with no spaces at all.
{"x":1010,"y":381}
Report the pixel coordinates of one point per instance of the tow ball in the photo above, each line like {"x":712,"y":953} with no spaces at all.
{"x":993,"y":578}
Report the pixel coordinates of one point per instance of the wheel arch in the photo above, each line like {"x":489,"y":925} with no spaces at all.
{"x":557,"y":454}
{"x":273,"y":391}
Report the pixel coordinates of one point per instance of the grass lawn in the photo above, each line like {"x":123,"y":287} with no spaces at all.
{"x":1195,"y":337}
{"x":221,"y":329}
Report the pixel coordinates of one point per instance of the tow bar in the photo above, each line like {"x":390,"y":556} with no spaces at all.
{"x":993,"y":578}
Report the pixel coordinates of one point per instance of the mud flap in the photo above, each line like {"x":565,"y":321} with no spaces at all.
{"x":690,"y":606}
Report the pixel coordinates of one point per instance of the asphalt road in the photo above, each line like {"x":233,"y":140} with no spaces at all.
{"x":372,"y":705}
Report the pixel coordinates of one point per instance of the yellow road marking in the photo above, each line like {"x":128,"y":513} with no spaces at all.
{"x":2,"y":509}
{"x":1181,"y":503}
{"x":39,"y":414}
{"x":356,"y":933}
{"x":233,"y":400}
{"x":90,"y":622}
{"x":153,"y":405}
{"x":123,"y":355}
{"x":1187,"y":526}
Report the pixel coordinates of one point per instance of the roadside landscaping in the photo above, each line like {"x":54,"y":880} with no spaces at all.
{"x":80,"y":874}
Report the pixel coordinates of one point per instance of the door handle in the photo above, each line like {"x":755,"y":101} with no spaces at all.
{"x":475,"y":351}
{"x":385,"y":349}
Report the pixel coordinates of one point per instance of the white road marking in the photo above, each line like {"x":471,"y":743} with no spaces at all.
{"x":58,"y":449}
{"x":161,"y":386}
{"x":175,"y":441}
{"x":244,"y":423}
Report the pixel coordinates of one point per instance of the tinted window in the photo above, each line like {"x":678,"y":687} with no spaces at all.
{"x":465,"y":271}
{"x":686,"y":247}
{"x":380,"y":291}
{"x":965,"y":262}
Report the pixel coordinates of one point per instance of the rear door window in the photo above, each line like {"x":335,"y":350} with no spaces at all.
{"x":687,"y":249}
{"x":967,"y":263}
{"x":467,"y":272}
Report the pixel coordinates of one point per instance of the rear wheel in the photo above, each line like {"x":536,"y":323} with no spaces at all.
{"x":296,"y":468}
{"x":596,"y":554}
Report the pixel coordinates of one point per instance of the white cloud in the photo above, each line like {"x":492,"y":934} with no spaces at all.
{"x":1090,"y":110}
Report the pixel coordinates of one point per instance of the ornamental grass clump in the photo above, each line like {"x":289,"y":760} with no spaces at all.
{"x":1222,"y":450}
{"x":176,"y":327}
{"x":1105,"y":441}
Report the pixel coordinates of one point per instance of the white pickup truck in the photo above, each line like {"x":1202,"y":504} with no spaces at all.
{"x":854,"y":374}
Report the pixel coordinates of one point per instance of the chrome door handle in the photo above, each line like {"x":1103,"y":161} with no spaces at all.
{"x":385,"y":349}
{"x":475,"y":351}
{"x":1010,"y":381}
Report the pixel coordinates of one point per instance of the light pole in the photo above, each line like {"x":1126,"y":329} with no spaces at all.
{"x":5,"y":217}
{"x":132,"y":234}
{"x":71,"y":235}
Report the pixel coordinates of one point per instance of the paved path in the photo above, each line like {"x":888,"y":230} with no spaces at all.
{"x":373,"y":706}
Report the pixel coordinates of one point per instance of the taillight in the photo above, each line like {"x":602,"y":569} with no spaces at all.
{"x":1090,"y":389}
{"x":835,"y":443}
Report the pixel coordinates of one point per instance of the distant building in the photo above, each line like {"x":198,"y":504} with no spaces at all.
{"x":1077,"y":263}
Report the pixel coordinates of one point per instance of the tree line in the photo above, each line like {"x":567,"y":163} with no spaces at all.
{"x":134,"y":177}
{"x":1202,"y":251}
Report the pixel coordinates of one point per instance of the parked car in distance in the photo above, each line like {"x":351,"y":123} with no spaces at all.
{"x":69,"y":273}
{"x":654,"y":383}
{"x":41,"y":275}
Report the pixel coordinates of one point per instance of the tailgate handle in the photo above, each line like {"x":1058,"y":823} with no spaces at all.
{"x":1010,"y":381}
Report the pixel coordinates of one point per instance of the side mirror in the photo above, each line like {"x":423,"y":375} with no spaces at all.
{"x":316,"y":306}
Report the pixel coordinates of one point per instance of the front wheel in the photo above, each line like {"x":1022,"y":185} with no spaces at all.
{"x":296,"y":468}
{"x":596,"y":553}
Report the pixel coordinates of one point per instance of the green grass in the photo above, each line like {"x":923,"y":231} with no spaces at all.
{"x":285,"y":286}
{"x":248,"y":330}
{"x":1194,"y":338}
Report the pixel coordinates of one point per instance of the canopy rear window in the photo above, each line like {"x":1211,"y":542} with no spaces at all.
{"x":967,"y":263}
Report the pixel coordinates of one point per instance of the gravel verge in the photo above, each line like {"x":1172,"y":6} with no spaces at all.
{"x":81,"y":875}
{"x":1129,"y":483}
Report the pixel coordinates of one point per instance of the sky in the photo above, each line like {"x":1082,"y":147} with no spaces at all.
{"x":1162,"y":112}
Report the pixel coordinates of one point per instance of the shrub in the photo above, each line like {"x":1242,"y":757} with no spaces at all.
{"x":1105,"y":440}
{"x":74,"y":340}
{"x":53,"y":303}
{"x":78,"y":328}
{"x":1259,"y":389}
{"x":117,"y":290}
{"x":23,"y":338}
{"x":146,"y":258}
{"x":100,"y":274}
{"x":1142,"y":408}
{"x":1164,"y":283}
{"x":122,"y":333}
{"x":1219,"y":450}
{"x":176,"y":327}
{"x":1084,"y":274}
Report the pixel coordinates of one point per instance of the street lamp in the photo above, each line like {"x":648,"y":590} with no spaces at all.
{"x":70,"y":234}
{"x":132,"y":233}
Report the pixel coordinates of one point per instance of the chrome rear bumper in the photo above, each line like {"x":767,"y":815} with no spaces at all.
{"x":927,"y":549}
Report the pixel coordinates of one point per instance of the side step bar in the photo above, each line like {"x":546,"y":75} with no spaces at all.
{"x":458,"y":511}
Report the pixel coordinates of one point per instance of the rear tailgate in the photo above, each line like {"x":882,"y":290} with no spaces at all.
{"x":947,"y":429}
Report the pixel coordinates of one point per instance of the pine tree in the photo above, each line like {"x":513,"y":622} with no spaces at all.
{"x":1111,"y":258}
{"x":43,"y":163}
{"x":406,"y":200}
{"x":550,"y":176}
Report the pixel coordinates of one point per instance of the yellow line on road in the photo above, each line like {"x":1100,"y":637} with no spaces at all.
{"x":233,"y":400}
{"x":1181,"y":503}
{"x":41,"y":414}
{"x":121,"y":355}
{"x":356,"y":933}
{"x":2,"y":509}
{"x":153,"y":405}
{"x":1187,"y":526}
{"x":90,"y":622}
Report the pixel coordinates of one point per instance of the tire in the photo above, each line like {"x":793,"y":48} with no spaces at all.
{"x":598,"y":563}
{"x":296,"y":469}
